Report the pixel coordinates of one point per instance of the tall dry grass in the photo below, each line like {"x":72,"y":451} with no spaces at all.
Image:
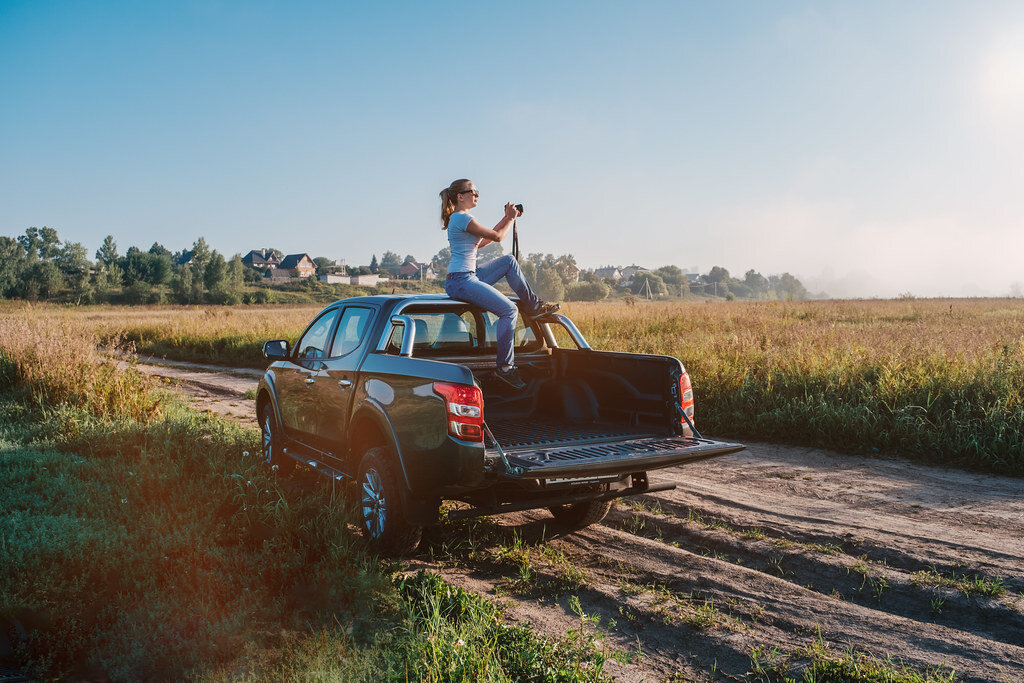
{"x":941,"y":379}
{"x":57,"y":360}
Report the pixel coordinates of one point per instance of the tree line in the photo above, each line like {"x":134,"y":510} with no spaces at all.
{"x":39,"y":266}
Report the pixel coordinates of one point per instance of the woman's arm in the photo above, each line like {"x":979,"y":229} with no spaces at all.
{"x":500,"y":230}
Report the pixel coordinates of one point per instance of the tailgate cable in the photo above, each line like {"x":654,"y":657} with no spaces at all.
{"x":504,"y":461}
{"x":679,"y":409}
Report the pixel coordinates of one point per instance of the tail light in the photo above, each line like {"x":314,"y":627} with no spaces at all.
{"x":464,"y":405}
{"x":686,"y":397}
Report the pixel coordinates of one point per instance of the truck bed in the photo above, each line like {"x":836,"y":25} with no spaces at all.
{"x":590,"y":413}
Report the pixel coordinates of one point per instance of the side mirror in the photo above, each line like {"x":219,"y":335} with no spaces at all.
{"x":276,"y":350}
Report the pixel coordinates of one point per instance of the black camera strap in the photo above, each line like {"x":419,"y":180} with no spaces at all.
{"x":515,"y":242}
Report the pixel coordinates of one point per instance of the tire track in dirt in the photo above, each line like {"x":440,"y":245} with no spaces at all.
{"x":778,"y":547}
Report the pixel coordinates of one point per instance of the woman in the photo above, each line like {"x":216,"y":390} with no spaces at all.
{"x":467,"y":282}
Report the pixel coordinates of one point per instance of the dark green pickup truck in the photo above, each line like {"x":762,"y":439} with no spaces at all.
{"x":398,"y":393}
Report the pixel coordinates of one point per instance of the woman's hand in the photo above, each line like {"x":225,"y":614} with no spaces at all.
{"x":511,"y":212}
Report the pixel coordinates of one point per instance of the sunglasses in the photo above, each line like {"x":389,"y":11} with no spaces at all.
{"x":475,"y":193}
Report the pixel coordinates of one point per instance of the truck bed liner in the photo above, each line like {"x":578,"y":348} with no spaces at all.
{"x":513,"y":435}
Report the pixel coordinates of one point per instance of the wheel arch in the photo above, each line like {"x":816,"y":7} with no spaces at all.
{"x":370,"y":427}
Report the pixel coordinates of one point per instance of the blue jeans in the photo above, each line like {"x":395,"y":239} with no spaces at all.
{"x":476,"y":288}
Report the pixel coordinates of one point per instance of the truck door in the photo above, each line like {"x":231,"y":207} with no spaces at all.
{"x":336,"y":384}
{"x":296,"y":378}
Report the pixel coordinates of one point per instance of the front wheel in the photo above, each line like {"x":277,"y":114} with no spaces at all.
{"x":273,"y":452}
{"x":579,"y":515}
{"x":380,"y":506}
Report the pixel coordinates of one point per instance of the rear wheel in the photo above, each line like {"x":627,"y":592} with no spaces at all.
{"x":273,"y":452}
{"x":579,"y":515}
{"x":382,"y":518}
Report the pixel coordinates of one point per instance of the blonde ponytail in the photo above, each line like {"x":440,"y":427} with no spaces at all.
{"x":448,"y":199}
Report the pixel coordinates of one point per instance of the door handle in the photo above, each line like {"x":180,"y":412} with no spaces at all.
{"x":310,"y":380}
{"x":344,"y":383}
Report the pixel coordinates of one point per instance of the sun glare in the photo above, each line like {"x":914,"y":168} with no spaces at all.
{"x":1002,"y":75}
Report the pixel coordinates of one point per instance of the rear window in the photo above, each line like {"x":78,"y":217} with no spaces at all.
{"x":457,"y":331}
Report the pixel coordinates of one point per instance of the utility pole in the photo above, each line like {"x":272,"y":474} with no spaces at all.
{"x":647,"y":287}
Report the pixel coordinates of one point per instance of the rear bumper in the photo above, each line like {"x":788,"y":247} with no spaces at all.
{"x":618,"y":457}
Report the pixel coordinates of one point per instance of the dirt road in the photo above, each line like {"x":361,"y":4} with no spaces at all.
{"x":772,"y":551}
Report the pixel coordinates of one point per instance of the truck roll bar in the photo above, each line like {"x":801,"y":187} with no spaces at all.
{"x":408,"y":334}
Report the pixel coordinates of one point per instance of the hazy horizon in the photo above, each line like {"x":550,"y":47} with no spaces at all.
{"x":870,"y":150}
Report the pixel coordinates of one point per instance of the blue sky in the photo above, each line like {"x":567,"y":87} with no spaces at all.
{"x":869,"y":148}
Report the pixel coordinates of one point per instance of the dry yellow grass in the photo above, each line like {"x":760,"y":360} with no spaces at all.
{"x":56,"y":357}
{"x":939,"y":378}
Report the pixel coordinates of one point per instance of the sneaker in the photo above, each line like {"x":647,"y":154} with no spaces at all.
{"x":511,"y":377}
{"x":542,"y":309}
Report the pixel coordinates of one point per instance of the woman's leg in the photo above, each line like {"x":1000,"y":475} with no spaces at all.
{"x":507,"y":267}
{"x":470,"y":289}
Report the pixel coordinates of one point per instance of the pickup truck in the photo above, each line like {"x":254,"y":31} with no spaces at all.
{"x":398,"y":393}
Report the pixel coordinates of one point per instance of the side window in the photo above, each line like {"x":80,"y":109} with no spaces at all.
{"x":351,"y":330}
{"x":312,"y":343}
{"x":523,"y":335}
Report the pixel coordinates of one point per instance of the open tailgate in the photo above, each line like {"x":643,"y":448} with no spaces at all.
{"x":615,"y":457}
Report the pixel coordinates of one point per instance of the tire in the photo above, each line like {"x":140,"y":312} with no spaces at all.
{"x":381,"y":516}
{"x":272,"y":449}
{"x":580,"y":515}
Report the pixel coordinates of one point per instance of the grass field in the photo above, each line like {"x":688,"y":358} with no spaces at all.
{"x":141,"y":540}
{"x":939,"y":379}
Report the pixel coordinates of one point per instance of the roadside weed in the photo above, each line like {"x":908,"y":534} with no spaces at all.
{"x":971,"y":586}
{"x":818,"y":663}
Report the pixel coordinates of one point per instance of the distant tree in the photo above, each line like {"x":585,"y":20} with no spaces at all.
{"x":790,"y":288}
{"x":42,"y":280}
{"x":215,"y":271}
{"x":441,"y":260}
{"x":184,"y":286}
{"x":107,"y":253}
{"x":738,"y":288}
{"x":529,"y":270}
{"x":251,"y":275}
{"x":106,"y":280}
{"x":137,"y":292}
{"x":409,"y":258}
{"x":159,"y":250}
{"x":74,"y":265}
{"x":228,"y":290}
{"x":641,"y":282}
{"x":361,"y":270}
{"x":675,"y":280}
{"x":756,"y":283}
{"x":12,"y":263}
{"x":586,"y":291}
{"x":717,"y":274}
{"x":490,"y":252}
{"x":323,"y":265}
{"x":564,"y":265}
{"x":549,"y":285}
{"x":200,"y":254}
{"x":390,"y":261}
{"x":374,"y":266}
{"x":40,"y":244}
{"x":161,"y":268}
{"x":134,"y":267}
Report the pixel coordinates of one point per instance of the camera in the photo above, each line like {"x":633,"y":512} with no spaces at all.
{"x":519,"y":208}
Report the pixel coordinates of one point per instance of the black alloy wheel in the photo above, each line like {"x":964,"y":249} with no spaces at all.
{"x":273,"y":453}
{"x":382,"y":519}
